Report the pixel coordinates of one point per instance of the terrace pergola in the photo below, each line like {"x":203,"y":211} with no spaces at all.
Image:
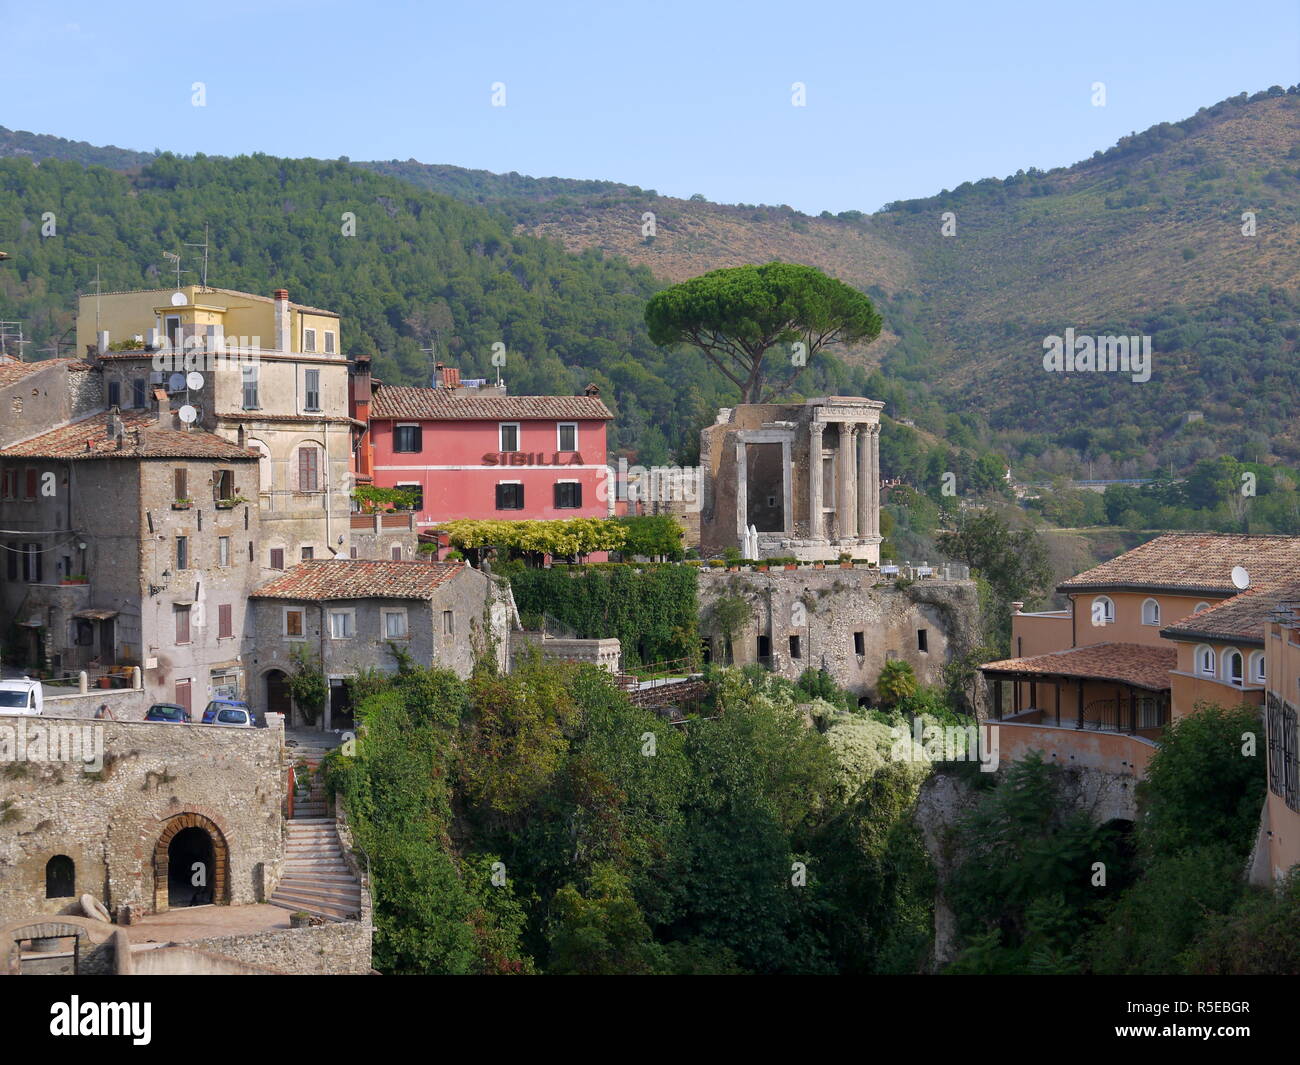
{"x":1104,"y":687}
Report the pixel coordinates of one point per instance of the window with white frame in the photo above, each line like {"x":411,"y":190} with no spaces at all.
{"x":342,"y":624}
{"x":329,"y":342}
{"x":1150,"y":612}
{"x":568,"y":495}
{"x":1205,"y":662}
{"x":508,"y":436}
{"x":1200,"y":607}
{"x":1103,"y":611}
{"x":1234,"y":667}
{"x":1257,"y":673}
{"x":395,"y":625}
{"x":309,"y":340}
{"x":566,"y":436}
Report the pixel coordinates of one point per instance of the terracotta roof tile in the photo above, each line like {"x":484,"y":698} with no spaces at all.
{"x":89,"y":439}
{"x":352,"y":578}
{"x":1242,"y":618}
{"x":1138,"y":664}
{"x":16,"y":371}
{"x":402,"y":401}
{"x":1196,"y":562}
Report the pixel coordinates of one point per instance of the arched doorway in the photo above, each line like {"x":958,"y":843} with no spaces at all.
{"x":191,"y":863}
{"x":277,"y":694}
{"x":189,"y":868}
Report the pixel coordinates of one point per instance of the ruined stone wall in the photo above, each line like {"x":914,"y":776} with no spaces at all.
{"x":109,"y":822}
{"x":333,"y":949}
{"x":826,"y":608}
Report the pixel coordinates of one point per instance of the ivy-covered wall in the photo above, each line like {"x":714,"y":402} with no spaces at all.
{"x":652,"y":610}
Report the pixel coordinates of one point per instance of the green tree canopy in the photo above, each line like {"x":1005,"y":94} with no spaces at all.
{"x":737,"y":315}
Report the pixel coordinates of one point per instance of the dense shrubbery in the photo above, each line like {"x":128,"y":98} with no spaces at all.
{"x":651,"y":609}
{"x":1029,"y":895}
{"x":540,"y":822}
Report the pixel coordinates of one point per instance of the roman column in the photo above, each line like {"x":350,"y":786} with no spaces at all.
{"x":844,"y":505}
{"x":815,"y":430}
{"x":742,"y":492}
{"x":868,"y":504}
{"x":875,"y":479}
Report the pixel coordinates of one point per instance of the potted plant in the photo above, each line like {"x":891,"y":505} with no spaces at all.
{"x":819,"y":565}
{"x":231,"y":503}
{"x":300,"y":919}
{"x":182,"y":504}
{"x":846,"y":560}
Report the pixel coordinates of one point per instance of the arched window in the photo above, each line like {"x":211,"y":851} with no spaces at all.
{"x":1257,"y":668}
{"x":1200,"y":607}
{"x":60,"y":877}
{"x":265,"y":478}
{"x":1234,"y":667}
{"x":1103,"y":611}
{"x":1150,"y":612}
{"x":1205,"y":661}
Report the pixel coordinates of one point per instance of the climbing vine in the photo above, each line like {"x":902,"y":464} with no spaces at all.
{"x":651,"y":610}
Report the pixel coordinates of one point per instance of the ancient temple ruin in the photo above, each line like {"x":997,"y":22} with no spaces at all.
{"x":805,"y":476}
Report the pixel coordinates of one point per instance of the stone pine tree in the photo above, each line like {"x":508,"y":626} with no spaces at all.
{"x":738,"y":315}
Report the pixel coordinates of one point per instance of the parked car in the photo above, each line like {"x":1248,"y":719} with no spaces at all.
{"x":228,"y":712}
{"x":21,"y":697}
{"x":168,"y":712}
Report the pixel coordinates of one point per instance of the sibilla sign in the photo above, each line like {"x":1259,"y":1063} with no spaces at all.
{"x":531,"y":458}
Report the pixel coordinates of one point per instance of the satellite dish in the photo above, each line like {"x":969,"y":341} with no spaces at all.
{"x":187,"y":414}
{"x":176,"y":382}
{"x":194,"y":380}
{"x":178,"y":299}
{"x":1240,"y":578}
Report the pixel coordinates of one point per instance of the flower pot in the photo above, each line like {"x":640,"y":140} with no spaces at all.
{"x":819,"y":565}
{"x":104,"y":682}
{"x":792,"y":565}
{"x":846,"y":565}
{"x":763,"y":569}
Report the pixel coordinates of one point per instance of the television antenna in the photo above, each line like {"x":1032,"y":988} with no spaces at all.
{"x":173,"y":258}
{"x":12,"y":333}
{"x":204,"y":246}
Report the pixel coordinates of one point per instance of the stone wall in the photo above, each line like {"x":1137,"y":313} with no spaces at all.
{"x":126,"y":704}
{"x":332,"y":949}
{"x":826,"y":609}
{"x":603,"y":653}
{"x":155,"y":778}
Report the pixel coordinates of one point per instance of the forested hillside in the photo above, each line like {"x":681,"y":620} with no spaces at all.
{"x":1145,"y":238}
{"x":422,"y":271}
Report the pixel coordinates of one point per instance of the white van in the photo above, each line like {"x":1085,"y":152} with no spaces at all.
{"x":21,"y":697}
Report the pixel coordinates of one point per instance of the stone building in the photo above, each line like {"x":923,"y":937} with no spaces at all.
{"x":129,"y":541}
{"x":349,"y":613}
{"x":845,"y":621}
{"x":259,"y":371}
{"x":38,"y":396}
{"x":806,"y":476}
{"x":126,"y":829}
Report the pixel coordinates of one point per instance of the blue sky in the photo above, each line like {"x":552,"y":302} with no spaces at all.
{"x":902,"y":99}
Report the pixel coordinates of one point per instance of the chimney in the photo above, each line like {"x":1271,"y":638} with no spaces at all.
{"x":282,"y":319}
{"x":1017,"y":608}
{"x":101,"y":341}
{"x":450,"y":377}
{"x":592,"y":390}
{"x":114,"y":426}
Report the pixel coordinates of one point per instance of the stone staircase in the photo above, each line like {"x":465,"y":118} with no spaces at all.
{"x":316,"y":878}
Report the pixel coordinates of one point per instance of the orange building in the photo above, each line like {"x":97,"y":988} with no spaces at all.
{"x":1183,"y":619}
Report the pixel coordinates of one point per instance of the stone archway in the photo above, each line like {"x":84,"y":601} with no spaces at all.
{"x":220,"y":874}
{"x":56,"y":927}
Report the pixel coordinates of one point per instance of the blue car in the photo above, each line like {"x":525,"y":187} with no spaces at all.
{"x":168,"y":712}
{"x":229,"y":712}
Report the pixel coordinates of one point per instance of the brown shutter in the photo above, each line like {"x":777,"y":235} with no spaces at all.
{"x":225,"y":626}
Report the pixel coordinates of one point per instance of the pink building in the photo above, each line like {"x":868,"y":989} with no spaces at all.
{"x":472,"y":451}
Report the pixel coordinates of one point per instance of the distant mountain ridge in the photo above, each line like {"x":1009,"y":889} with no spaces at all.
{"x":1147,"y":236}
